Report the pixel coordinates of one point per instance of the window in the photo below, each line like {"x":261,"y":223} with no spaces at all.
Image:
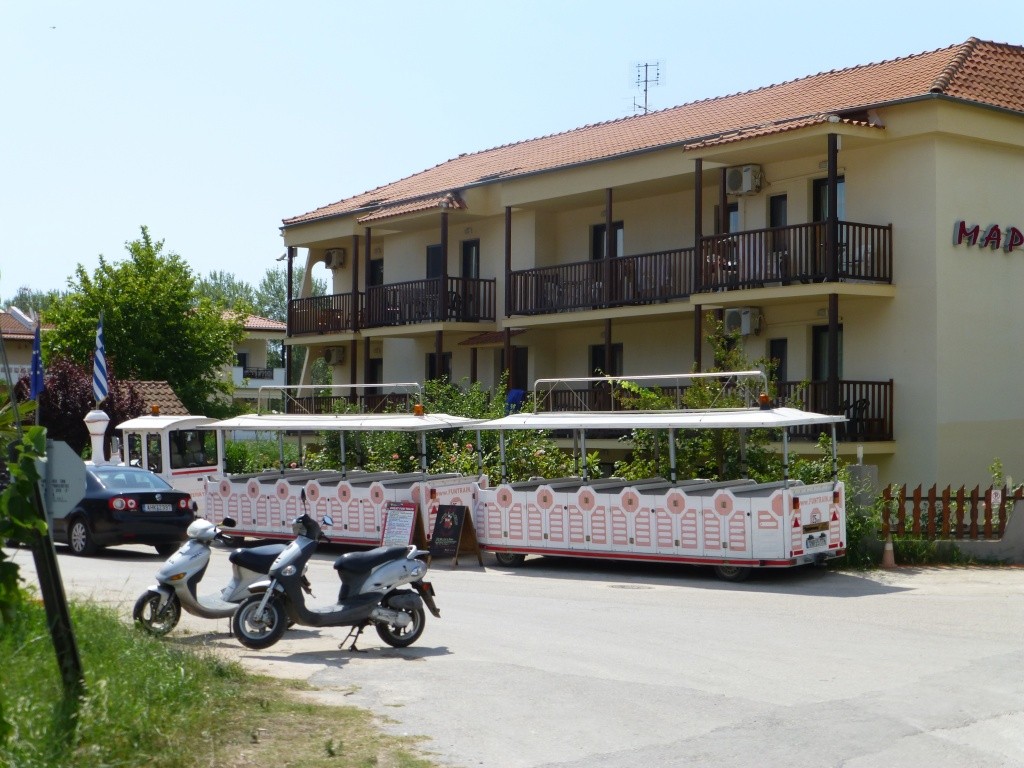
{"x":154,"y":453}
{"x":600,"y":397}
{"x":778,"y":350}
{"x":471,"y":259}
{"x":376,"y":276}
{"x":732,"y":211}
{"x":374,"y":375}
{"x":732,"y":218}
{"x":819,"y":352}
{"x":435,"y":262}
{"x":597,"y":240}
{"x":193,"y":448}
{"x":242,"y":359}
{"x":601,"y":367}
{"x":446,"y":366}
{"x":778,"y":217}
{"x":820,"y":199}
{"x":518,"y":378}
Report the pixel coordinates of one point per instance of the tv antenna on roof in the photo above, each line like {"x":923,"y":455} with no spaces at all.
{"x":647,"y":74}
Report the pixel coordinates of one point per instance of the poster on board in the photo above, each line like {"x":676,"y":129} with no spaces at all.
{"x":399,"y":524}
{"x":454,"y":534}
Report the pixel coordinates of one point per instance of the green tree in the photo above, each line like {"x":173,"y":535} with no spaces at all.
{"x":156,"y":325}
{"x":227,"y":291}
{"x":67,"y":398}
{"x":710,"y":453}
{"x":271,"y":298}
{"x":527,"y":452}
{"x":272,"y":302}
{"x":32,"y":301}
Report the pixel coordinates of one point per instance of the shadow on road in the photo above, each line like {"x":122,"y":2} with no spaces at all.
{"x":805,"y":580}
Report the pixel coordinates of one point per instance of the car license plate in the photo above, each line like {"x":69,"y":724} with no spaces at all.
{"x":157,"y":507}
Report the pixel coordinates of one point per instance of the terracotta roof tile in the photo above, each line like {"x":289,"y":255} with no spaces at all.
{"x":257,"y":323}
{"x":160,"y":393}
{"x":446,"y":200}
{"x":12,"y":328}
{"x":975,"y":71}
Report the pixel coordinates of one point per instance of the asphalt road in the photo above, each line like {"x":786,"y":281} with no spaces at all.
{"x":570,"y":664}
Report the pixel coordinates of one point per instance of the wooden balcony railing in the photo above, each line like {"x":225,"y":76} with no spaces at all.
{"x":784,"y":255}
{"x":868,"y":406}
{"x":593,"y":284}
{"x":322,"y":314}
{"x":366,"y":402}
{"x":465,"y":300}
{"x":257,"y":373}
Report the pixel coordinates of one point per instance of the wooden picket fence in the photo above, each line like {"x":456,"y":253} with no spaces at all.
{"x":948,"y":514}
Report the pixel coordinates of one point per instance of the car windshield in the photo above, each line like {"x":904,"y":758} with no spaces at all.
{"x":125,"y":478}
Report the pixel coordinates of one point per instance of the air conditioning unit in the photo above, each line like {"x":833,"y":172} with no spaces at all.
{"x":743,"y":180}
{"x":335,"y":258}
{"x":335,"y":355}
{"x":743,"y":320}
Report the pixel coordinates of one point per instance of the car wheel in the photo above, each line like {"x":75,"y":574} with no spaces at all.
{"x":166,"y":550}
{"x":80,"y":538}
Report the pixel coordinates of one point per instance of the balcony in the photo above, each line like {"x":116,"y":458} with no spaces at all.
{"x":468,"y":300}
{"x":594,"y":284}
{"x":794,"y":254}
{"x":250,"y":377}
{"x":323,"y":314}
{"x":736,"y":261}
{"x":463,"y":300}
{"x":366,"y":402}
{"x":868,"y":406}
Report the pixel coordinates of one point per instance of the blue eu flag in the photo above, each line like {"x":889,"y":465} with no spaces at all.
{"x":36,"y":383}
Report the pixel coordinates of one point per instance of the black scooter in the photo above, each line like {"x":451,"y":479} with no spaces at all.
{"x":369,"y":593}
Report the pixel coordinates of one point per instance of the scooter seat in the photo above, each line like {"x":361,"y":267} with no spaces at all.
{"x":257,"y":559}
{"x":361,"y":562}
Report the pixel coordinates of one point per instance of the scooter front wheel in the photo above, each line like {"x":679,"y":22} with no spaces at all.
{"x":258,"y":630}
{"x":400,"y":637}
{"x":151,"y":617}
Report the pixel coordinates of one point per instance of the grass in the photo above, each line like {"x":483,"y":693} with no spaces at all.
{"x":151,"y":703}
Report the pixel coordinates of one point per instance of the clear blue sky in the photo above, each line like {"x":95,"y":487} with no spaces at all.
{"x":211,"y":121}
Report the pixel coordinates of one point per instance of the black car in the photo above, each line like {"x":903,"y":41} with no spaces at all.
{"x":125,"y":505}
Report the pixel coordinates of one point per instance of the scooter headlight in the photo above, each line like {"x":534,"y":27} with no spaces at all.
{"x":288,"y":570}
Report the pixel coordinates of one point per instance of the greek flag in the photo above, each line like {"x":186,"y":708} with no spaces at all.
{"x":99,"y":366}
{"x":36,"y":384}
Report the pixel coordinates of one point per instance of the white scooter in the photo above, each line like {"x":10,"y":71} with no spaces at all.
{"x":158,"y":609}
{"x":370,"y":593}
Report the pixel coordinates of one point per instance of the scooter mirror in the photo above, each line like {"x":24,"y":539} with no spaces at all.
{"x":328,"y":520}
{"x":228,"y":522}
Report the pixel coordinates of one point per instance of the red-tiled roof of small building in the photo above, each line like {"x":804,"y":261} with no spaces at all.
{"x":257,"y":323}
{"x":976,"y":71}
{"x":159,"y":393}
{"x":12,"y":328}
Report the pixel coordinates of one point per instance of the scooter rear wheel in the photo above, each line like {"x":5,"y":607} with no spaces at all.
{"x":400,"y":637}
{"x":259,"y":631}
{"x":150,"y":617}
